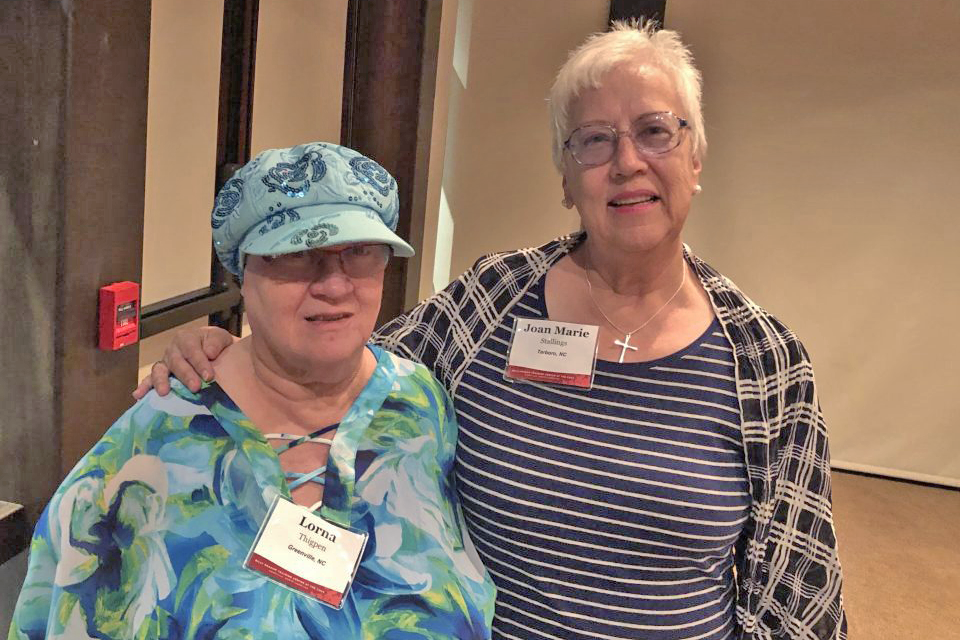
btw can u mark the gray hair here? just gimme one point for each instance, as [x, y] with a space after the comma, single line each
[638, 46]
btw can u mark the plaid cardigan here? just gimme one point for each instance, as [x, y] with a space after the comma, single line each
[788, 572]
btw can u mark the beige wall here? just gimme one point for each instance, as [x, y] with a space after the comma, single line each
[182, 109]
[814, 199]
[830, 195]
[499, 182]
[429, 252]
[182, 106]
[298, 88]
[299, 76]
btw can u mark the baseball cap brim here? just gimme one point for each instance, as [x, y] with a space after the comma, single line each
[323, 225]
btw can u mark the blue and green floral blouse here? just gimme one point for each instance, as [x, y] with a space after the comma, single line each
[147, 535]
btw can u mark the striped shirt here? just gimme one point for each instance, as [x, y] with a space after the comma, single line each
[788, 575]
[608, 513]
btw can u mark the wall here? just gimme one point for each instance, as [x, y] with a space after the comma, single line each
[31, 216]
[435, 244]
[72, 148]
[499, 183]
[181, 155]
[298, 86]
[32, 221]
[182, 106]
[829, 187]
[830, 196]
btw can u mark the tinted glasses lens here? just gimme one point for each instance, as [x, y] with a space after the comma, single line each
[657, 132]
[364, 260]
[593, 145]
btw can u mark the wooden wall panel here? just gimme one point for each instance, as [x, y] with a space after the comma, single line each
[388, 94]
[72, 149]
[32, 80]
[103, 173]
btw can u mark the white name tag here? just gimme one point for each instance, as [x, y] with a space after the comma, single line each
[304, 552]
[552, 352]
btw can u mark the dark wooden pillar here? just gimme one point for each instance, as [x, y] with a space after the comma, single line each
[238, 56]
[32, 81]
[104, 156]
[627, 9]
[388, 91]
[73, 103]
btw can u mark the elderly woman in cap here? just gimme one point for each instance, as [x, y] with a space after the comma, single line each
[307, 493]
[686, 494]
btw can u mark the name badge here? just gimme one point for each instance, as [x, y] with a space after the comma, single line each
[553, 352]
[301, 551]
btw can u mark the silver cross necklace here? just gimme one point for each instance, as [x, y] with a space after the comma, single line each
[625, 343]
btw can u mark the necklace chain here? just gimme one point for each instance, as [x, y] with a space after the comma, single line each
[627, 334]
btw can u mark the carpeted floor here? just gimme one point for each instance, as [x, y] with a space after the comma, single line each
[900, 549]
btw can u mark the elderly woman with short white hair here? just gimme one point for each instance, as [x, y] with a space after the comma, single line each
[679, 487]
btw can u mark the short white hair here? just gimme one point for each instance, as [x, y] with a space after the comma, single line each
[638, 46]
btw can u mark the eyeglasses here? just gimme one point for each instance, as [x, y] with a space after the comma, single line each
[653, 133]
[356, 261]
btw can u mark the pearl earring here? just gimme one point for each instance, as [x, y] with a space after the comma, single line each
[697, 190]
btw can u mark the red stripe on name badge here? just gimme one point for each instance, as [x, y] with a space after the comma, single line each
[292, 580]
[552, 377]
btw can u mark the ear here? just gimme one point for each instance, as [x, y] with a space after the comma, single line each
[697, 166]
[240, 278]
[567, 200]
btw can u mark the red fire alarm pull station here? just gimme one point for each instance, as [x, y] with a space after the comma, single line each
[119, 315]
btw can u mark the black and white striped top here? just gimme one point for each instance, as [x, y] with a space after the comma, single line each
[610, 513]
[789, 579]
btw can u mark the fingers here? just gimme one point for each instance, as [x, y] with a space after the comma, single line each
[143, 388]
[186, 359]
[160, 378]
[214, 340]
[181, 369]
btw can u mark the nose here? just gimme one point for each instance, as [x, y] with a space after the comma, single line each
[329, 280]
[628, 159]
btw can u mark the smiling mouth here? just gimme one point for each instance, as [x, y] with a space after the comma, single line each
[629, 202]
[327, 317]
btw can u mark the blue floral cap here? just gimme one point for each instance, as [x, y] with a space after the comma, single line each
[313, 195]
